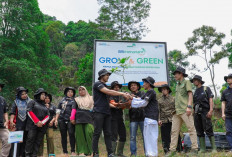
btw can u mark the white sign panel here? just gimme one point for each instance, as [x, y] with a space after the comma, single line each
[15, 137]
[145, 59]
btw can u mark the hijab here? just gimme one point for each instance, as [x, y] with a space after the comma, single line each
[84, 102]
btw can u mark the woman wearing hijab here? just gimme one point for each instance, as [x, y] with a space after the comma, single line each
[18, 118]
[36, 123]
[82, 117]
[49, 132]
[63, 114]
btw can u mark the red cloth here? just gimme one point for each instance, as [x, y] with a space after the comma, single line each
[33, 117]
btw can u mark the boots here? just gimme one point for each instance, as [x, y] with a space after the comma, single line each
[202, 144]
[212, 141]
[120, 148]
[114, 145]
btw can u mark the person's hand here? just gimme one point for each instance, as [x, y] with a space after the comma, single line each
[127, 96]
[47, 105]
[73, 122]
[6, 124]
[160, 122]
[223, 116]
[188, 111]
[39, 124]
[56, 123]
[12, 124]
[209, 114]
[50, 124]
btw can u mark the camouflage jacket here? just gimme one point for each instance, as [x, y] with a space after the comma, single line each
[166, 108]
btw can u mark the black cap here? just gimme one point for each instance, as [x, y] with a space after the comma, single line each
[102, 73]
[39, 91]
[114, 83]
[197, 77]
[226, 77]
[70, 88]
[164, 86]
[129, 84]
[19, 89]
[150, 80]
[181, 70]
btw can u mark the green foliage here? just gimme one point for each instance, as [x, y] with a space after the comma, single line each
[204, 44]
[84, 73]
[176, 58]
[218, 124]
[125, 19]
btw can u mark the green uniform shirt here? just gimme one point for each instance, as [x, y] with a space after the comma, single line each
[166, 108]
[181, 99]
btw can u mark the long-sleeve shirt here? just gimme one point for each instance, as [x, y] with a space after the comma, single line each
[166, 108]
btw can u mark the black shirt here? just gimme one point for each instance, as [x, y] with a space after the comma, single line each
[52, 112]
[40, 111]
[83, 116]
[116, 112]
[137, 114]
[151, 110]
[3, 109]
[101, 103]
[65, 106]
[227, 97]
[202, 97]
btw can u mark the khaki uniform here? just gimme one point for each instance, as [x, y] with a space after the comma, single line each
[181, 102]
[166, 108]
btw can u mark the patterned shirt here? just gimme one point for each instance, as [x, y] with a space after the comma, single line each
[166, 108]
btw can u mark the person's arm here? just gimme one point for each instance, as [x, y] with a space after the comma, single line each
[58, 110]
[31, 114]
[138, 102]
[6, 120]
[12, 115]
[190, 100]
[210, 113]
[223, 110]
[159, 121]
[115, 93]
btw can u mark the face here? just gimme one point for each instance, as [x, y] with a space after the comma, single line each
[178, 76]
[146, 85]
[229, 81]
[134, 87]
[82, 91]
[116, 88]
[0, 88]
[24, 95]
[42, 96]
[70, 93]
[47, 100]
[165, 91]
[196, 82]
[105, 78]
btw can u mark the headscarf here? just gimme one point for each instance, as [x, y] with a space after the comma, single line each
[84, 102]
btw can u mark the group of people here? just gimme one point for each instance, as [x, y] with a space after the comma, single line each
[85, 117]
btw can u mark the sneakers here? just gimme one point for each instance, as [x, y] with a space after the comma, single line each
[112, 155]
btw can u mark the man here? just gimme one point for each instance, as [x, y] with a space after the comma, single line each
[150, 104]
[226, 100]
[102, 118]
[4, 133]
[203, 107]
[183, 106]
[136, 116]
[166, 109]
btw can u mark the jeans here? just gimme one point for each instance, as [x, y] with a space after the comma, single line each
[70, 128]
[102, 122]
[133, 134]
[228, 123]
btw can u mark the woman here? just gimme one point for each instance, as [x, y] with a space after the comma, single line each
[37, 123]
[49, 132]
[118, 128]
[82, 117]
[63, 117]
[18, 118]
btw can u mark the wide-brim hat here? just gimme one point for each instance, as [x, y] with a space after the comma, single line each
[102, 73]
[226, 77]
[19, 89]
[115, 83]
[129, 84]
[39, 91]
[69, 88]
[150, 80]
[197, 77]
[164, 86]
[181, 70]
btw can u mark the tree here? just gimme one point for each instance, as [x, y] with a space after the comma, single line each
[204, 44]
[176, 58]
[124, 18]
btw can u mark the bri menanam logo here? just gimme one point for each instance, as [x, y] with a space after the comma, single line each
[142, 51]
